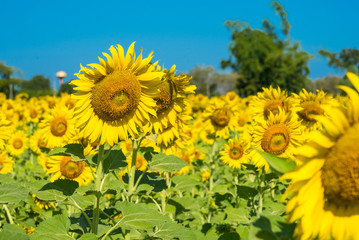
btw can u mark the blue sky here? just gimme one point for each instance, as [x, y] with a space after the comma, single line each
[42, 37]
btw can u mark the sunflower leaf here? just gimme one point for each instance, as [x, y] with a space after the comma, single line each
[12, 193]
[74, 150]
[55, 228]
[278, 164]
[66, 186]
[13, 231]
[166, 163]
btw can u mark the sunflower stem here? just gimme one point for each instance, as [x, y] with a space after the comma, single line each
[8, 214]
[96, 209]
[131, 182]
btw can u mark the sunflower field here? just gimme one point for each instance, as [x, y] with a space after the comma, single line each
[134, 153]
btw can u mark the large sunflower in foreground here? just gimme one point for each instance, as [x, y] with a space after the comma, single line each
[62, 167]
[235, 153]
[279, 135]
[324, 191]
[57, 127]
[116, 97]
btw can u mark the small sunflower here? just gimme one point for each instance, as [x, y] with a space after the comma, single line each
[62, 167]
[311, 106]
[141, 162]
[171, 98]
[33, 114]
[4, 130]
[17, 143]
[187, 155]
[270, 101]
[324, 191]
[6, 163]
[116, 98]
[42, 203]
[219, 118]
[58, 127]
[235, 153]
[279, 135]
[37, 142]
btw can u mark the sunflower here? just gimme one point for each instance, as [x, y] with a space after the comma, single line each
[324, 191]
[270, 101]
[235, 153]
[187, 155]
[58, 127]
[312, 105]
[37, 142]
[219, 117]
[67, 101]
[6, 163]
[171, 98]
[4, 130]
[42, 203]
[141, 162]
[116, 98]
[17, 143]
[279, 135]
[33, 114]
[62, 167]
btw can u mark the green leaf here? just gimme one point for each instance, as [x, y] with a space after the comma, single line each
[13, 231]
[246, 192]
[74, 150]
[237, 215]
[166, 163]
[12, 193]
[171, 230]
[88, 236]
[115, 160]
[55, 228]
[139, 217]
[66, 186]
[185, 182]
[280, 165]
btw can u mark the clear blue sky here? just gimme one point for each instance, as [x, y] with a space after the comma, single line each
[42, 37]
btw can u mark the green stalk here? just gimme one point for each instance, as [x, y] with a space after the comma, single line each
[8, 214]
[131, 182]
[99, 171]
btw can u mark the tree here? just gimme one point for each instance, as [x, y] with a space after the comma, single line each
[261, 58]
[66, 88]
[7, 79]
[38, 85]
[346, 60]
[210, 82]
[327, 84]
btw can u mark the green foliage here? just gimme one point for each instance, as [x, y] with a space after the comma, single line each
[8, 80]
[166, 163]
[280, 165]
[346, 60]
[12, 193]
[38, 85]
[262, 59]
[66, 88]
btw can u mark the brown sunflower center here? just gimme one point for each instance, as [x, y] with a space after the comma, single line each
[241, 121]
[70, 104]
[220, 118]
[276, 139]
[33, 113]
[116, 96]
[273, 107]
[310, 109]
[41, 142]
[236, 151]
[58, 127]
[17, 143]
[70, 169]
[166, 96]
[140, 162]
[340, 172]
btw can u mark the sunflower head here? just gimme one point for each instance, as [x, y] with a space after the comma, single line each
[115, 98]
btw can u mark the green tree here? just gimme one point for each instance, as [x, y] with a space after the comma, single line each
[38, 85]
[261, 58]
[327, 84]
[7, 79]
[66, 88]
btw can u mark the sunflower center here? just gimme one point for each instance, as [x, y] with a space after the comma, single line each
[241, 121]
[17, 143]
[58, 127]
[340, 172]
[220, 118]
[41, 143]
[70, 169]
[276, 139]
[166, 96]
[33, 113]
[273, 107]
[236, 151]
[116, 96]
[70, 104]
[310, 109]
